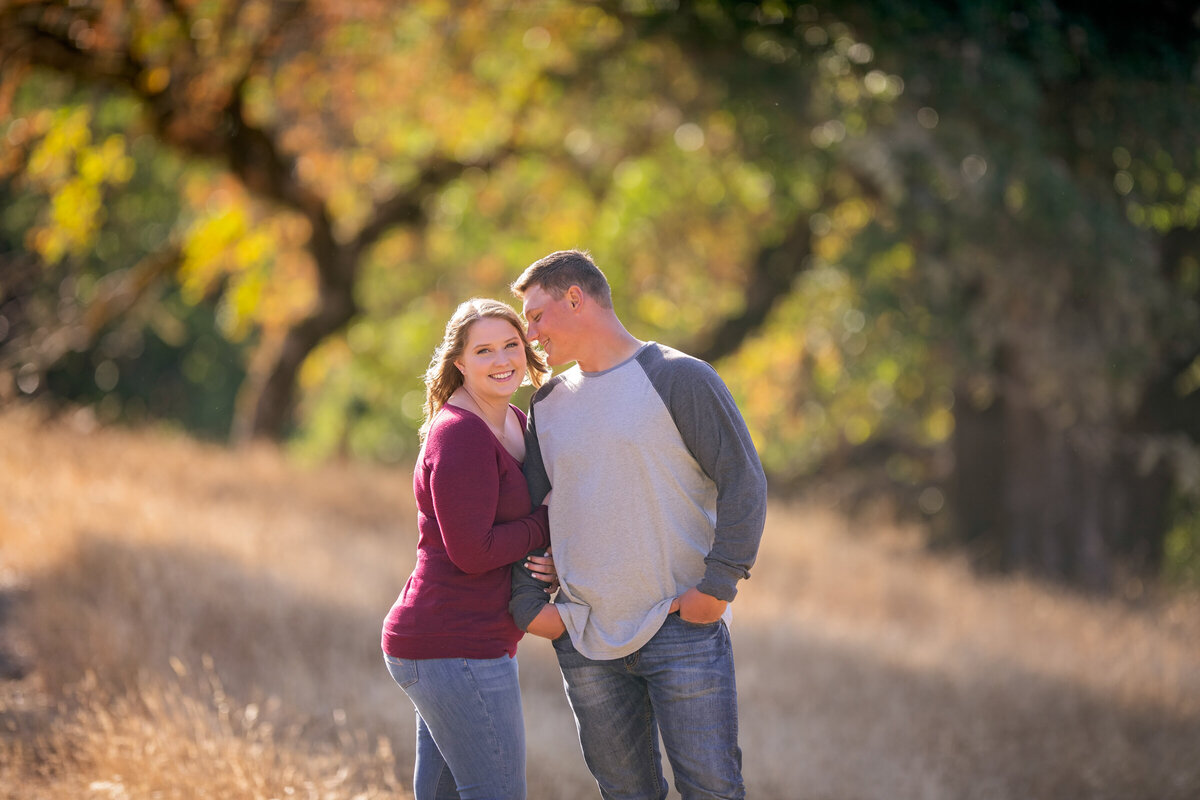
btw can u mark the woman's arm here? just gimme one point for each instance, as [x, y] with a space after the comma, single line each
[464, 484]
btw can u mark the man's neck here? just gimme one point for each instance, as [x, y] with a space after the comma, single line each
[609, 348]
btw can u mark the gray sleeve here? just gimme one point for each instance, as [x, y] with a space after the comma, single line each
[714, 431]
[534, 468]
[529, 593]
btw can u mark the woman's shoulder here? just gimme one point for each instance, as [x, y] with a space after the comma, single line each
[455, 426]
[521, 417]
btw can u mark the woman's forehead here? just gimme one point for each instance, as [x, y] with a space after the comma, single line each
[491, 329]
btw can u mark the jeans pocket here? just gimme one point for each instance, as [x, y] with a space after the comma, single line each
[691, 624]
[403, 670]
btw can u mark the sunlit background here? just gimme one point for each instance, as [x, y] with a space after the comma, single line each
[945, 255]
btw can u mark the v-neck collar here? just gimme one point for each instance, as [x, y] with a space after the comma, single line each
[492, 433]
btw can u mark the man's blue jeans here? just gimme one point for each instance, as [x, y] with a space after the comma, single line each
[470, 731]
[681, 683]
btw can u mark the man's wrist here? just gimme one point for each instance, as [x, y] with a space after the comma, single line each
[717, 589]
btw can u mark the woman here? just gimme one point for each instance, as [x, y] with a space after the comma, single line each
[449, 641]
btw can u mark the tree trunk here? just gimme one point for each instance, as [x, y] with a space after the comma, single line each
[264, 407]
[1026, 498]
[1029, 496]
[973, 499]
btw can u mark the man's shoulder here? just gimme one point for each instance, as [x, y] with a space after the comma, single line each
[666, 363]
[547, 388]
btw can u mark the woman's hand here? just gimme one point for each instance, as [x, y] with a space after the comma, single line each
[542, 568]
[548, 623]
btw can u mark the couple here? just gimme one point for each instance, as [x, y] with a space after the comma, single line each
[657, 510]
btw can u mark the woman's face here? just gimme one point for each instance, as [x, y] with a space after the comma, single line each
[493, 360]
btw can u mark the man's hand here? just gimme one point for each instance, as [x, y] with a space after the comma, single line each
[548, 623]
[698, 607]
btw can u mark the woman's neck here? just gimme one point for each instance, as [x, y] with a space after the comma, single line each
[494, 413]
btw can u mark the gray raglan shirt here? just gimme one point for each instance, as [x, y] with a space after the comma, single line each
[657, 489]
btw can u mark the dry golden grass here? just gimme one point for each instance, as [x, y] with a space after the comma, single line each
[201, 623]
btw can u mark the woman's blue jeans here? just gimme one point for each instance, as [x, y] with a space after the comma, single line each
[470, 731]
[681, 683]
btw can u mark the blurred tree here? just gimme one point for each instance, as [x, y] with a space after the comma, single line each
[311, 131]
[1064, 256]
[340, 178]
[79, 323]
[953, 240]
[1019, 248]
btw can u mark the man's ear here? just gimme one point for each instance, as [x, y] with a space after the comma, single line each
[574, 296]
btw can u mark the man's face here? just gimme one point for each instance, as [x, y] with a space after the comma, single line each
[550, 324]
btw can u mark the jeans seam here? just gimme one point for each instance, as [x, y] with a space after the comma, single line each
[493, 734]
[651, 742]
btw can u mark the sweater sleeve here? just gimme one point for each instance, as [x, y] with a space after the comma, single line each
[529, 593]
[714, 431]
[464, 482]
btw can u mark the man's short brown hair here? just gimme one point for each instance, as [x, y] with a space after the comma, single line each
[559, 271]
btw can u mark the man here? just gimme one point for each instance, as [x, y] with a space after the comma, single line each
[656, 513]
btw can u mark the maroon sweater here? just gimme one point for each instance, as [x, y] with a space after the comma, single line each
[473, 521]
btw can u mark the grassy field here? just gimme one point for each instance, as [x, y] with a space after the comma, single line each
[178, 620]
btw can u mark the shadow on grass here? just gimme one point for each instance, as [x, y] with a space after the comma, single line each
[826, 718]
[14, 656]
[123, 616]
[821, 717]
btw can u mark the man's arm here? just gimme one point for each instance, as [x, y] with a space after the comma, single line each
[714, 432]
[528, 593]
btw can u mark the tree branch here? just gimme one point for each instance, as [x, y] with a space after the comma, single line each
[116, 294]
[770, 280]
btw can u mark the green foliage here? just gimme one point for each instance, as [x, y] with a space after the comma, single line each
[617, 168]
[985, 189]
[174, 367]
[1182, 556]
[98, 195]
